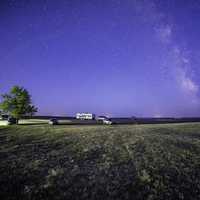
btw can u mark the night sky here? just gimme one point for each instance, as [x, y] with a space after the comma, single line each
[109, 57]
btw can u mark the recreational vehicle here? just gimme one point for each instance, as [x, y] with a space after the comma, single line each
[85, 116]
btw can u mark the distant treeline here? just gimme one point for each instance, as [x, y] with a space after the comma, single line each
[165, 120]
[49, 117]
[133, 120]
[153, 120]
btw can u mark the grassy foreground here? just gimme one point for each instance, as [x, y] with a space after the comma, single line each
[100, 162]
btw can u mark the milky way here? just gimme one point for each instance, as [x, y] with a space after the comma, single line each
[113, 57]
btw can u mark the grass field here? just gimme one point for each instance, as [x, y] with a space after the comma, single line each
[100, 162]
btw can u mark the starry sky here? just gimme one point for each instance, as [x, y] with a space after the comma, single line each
[109, 57]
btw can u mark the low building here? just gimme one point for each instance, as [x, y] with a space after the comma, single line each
[85, 116]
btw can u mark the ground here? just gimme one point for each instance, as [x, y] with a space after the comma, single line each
[100, 162]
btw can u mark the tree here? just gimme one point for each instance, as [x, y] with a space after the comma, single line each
[17, 103]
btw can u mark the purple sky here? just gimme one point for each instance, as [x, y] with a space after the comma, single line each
[111, 57]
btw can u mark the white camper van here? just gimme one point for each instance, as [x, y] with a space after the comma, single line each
[86, 116]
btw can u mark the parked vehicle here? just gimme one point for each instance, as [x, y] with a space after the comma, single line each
[4, 117]
[11, 120]
[53, 121]
[107, 121]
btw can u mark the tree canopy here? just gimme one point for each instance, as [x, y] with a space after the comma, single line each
[17, 103]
